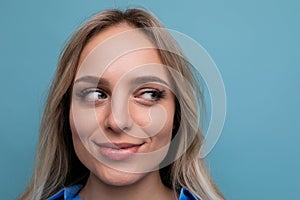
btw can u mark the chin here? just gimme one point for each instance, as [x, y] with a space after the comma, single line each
[112, 177]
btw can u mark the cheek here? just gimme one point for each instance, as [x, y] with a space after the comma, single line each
[140, 115]
[83, 122]
[83, 128]
[83, 155]
[152, 119]
[81, 145]
[156, 122]
[165, 135]
[80, 150]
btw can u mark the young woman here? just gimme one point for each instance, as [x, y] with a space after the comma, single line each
[121, 119]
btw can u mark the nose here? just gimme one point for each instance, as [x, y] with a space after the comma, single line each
[118, 118]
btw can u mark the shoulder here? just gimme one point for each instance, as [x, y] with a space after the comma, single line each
[68, 193]
[186, 195]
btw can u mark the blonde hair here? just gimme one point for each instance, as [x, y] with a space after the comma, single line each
[57, 165]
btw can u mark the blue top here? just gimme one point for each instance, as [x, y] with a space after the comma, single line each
[71, 193]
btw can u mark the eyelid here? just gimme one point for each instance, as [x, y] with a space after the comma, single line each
[84, 97]
[85, 91]
[158, 95]
[91, 89]
[144, 90]
[151, 86]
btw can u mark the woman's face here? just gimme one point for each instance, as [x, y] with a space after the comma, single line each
[122, 107]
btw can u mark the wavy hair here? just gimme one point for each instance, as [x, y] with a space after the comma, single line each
[57, 165]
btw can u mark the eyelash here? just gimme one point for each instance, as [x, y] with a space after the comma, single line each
[156, 95]
[83, 94]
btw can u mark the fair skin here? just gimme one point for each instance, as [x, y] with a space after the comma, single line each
[122, 125]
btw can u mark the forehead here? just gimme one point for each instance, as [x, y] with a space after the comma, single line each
[117, 50]
[112, 38]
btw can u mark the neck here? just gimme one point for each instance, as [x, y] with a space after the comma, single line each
[148, 187]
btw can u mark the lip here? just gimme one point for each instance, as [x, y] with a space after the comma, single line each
[118, 151]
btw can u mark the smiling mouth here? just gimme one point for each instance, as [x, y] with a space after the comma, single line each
[118, 151]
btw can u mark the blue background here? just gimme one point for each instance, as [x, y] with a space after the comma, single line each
[255, 44]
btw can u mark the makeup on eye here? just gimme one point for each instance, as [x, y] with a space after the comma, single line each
[146, 96]
[146, 90]
[150, 94]
[92, 95]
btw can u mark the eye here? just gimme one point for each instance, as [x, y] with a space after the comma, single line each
[149, 96]
[92, 95]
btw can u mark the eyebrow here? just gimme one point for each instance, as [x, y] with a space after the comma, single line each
[146, 79]
[137, 81]
[93, 80]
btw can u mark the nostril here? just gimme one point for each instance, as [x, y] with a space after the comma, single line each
[118, 125]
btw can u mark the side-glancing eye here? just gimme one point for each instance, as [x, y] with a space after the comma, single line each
[150, 96]
[92, 95]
